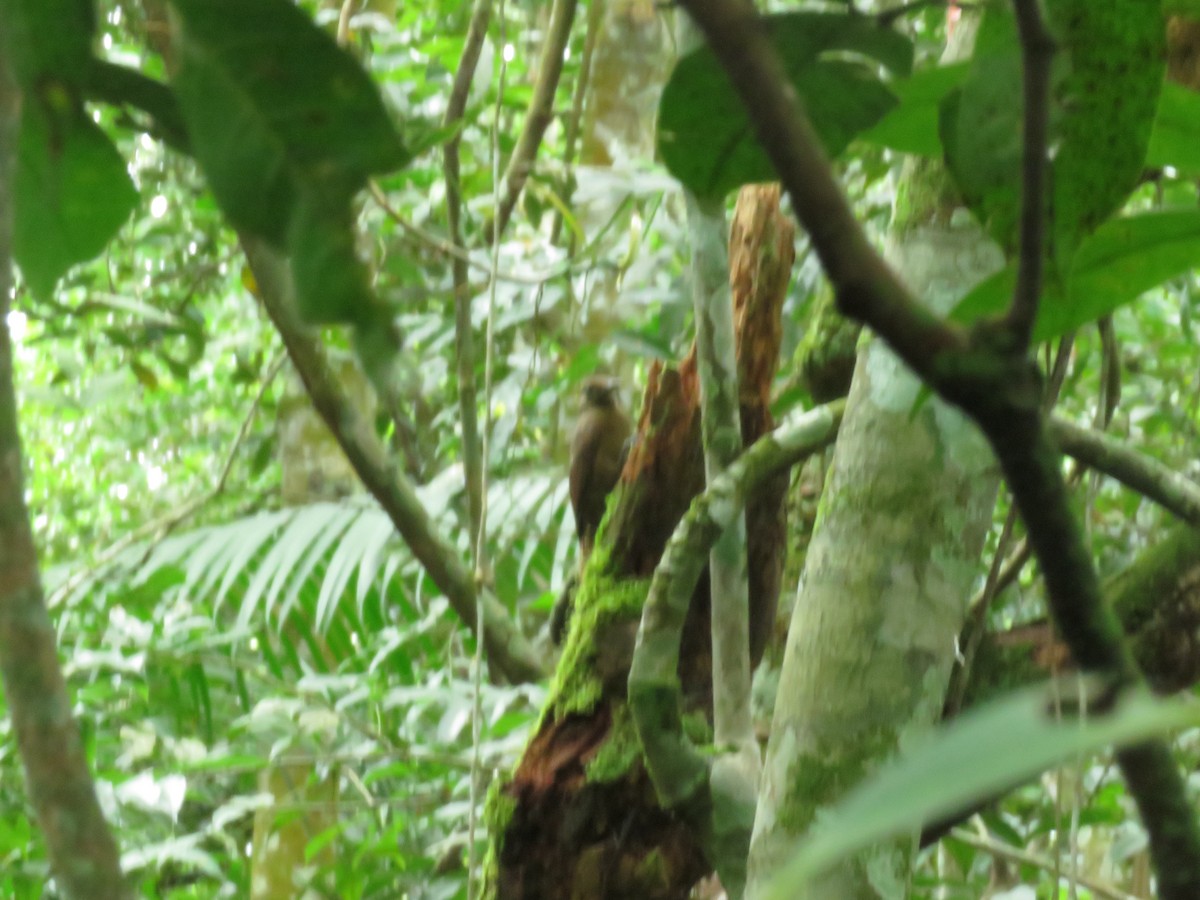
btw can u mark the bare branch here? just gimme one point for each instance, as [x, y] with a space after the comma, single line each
[83, 854]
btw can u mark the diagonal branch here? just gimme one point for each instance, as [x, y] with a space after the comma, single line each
[541, 110]
[681, 775]
[1138, 472]
[508, 651]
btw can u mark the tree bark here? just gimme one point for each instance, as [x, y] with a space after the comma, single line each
[579, 817]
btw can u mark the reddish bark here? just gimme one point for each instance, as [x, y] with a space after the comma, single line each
[571, 837]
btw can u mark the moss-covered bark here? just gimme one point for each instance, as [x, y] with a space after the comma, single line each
[580, 817]
[1157, 599]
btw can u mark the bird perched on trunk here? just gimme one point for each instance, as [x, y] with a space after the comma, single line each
[598, 451]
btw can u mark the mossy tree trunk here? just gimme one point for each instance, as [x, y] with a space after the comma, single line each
[578, 818]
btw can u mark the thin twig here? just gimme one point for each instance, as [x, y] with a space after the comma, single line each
[1143, 474]
[448, 248]
[343, 25]
[479, 540]
[976, 624]
[157, 530]
[595, 18]
[464, 332]
[1006, 851]
[541, 107]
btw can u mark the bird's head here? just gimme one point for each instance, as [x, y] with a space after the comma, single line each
[600, 391]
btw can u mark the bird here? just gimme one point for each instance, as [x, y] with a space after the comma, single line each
[598, 449]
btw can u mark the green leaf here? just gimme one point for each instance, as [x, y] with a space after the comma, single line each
[1122, 260]
[72, 193]
[1116, 52]
[980, 127]
[1104, 94]
[983, 752]
[705, 137]
[912, 126]
[291, 81]
[49, 41]
[1125, 258]
[287, 128]
[1175, 140]
[273, 102]
[244, 162]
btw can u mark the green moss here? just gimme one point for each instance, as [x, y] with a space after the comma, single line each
[816, 780]
[653, 871]
[698, 730]
[621, 748]
[600, 601]
[498, 810]
[826, 354]
[1137, 593]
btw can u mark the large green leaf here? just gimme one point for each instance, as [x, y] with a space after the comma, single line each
[284, 79]
[984, 752]
[71, 192]
[279, 115]
[1175, 140]
[49, 42]
[980, 127]
[704, 135]
[1122, 260]
[331, 283]
[912, 126]
[1115, 53]
[1107, 75]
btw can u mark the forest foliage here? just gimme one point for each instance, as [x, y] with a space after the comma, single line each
[207, 629]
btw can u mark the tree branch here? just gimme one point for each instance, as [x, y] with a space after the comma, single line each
[541, 110]
[82, 852]
[464, 333]
[1038, 52]
[1138, 472]
[120, 86]
[678, 771]
[721, 438]
[994, 847]
[508, 651]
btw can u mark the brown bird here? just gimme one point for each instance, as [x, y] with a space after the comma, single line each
[598, 451]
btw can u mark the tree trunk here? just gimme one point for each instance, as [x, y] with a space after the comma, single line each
[883, 596]
[579, 818]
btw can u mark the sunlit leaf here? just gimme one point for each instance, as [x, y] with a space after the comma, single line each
[912, 126]
[1175, 140]
[72, 192]
[287, 128]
